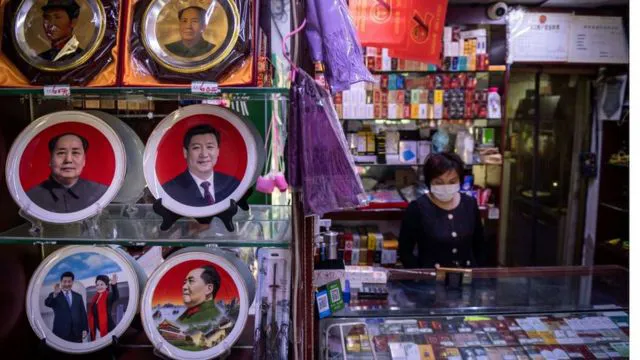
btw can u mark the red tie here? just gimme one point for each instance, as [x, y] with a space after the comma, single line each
[207, 194]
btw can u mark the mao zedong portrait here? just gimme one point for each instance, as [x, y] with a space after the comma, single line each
[69, 315]
[198, 293]
[60, 17]
[65, 191]
[193, 22]
[198, 184]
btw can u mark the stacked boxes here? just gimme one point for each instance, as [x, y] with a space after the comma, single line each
[465, 50]
[417, 97]
[363, 246]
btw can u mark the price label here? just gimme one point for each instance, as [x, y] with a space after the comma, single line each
[58, 91]
[204, 87]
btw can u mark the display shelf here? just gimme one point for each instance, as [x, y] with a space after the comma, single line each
[254, 92]
[615, 207]
[366, 215]
[138, 225]
[392, 214]
[499, 291]
[364, 164]
[500, 69]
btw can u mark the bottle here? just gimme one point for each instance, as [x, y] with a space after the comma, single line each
[494, 104]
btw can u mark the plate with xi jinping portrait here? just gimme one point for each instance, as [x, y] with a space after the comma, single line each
[65, 166]
[79, 297]
[188, 36]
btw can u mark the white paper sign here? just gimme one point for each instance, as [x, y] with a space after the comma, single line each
[538, 37]
[204, 87]
[598, 39]
[57, 91]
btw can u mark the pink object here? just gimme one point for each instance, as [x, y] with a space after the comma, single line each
[265, 184]
[280, 182]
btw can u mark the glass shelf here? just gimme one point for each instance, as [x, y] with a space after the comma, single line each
[152, 92]
[497, 69]
[476, 122]
[500, 291]
[138, 225]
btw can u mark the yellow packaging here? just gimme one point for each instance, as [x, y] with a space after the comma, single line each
[438, 100]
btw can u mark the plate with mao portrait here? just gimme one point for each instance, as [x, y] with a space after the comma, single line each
[79, 297]
[188, 36]
[201, 157]
[61, 41]
[196, 304]
[65, 166]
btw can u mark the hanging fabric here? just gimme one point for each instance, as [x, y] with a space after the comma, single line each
[330, 24]
[319, 163]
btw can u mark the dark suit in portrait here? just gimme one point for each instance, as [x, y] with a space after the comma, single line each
[184, 189]
[51, 54]
[200, 48]
[52, 196]
[68, 321]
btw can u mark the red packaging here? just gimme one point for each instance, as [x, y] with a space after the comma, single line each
[384, 82]
[377, 111]
[468, 111]
[371, 62]
[448, 82]
[399, 97]
[384, 97]
[431, 82]
[377, 63]
[407, 112]
[469, 96]
[377, 95]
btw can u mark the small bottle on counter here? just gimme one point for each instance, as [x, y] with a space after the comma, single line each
[494, 104]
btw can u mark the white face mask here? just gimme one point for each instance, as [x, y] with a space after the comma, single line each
[445, 193]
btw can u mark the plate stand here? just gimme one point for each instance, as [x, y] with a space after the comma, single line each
[47, 352]
[169, 217]
[162, 356]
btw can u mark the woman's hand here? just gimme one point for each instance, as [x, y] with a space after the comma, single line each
[114, 279]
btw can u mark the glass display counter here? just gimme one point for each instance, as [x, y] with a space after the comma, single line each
[509, 313]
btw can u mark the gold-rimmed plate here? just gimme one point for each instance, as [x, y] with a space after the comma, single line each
[58, 35]
[190, 36]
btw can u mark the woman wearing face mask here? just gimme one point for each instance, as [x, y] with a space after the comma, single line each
[445, 225]
[99, 308]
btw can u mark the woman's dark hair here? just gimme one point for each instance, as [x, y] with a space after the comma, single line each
[440, 163]
[103, 278]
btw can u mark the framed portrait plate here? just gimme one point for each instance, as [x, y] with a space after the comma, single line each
[184, 40]
[61, 41]
[200, 157]
[195, 305]
[65, 166]
[165, 34]
[81, 296]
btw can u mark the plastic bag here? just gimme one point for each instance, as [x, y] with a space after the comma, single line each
[341, 50]
[59, 42]
[180, 41]
[319, 162]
